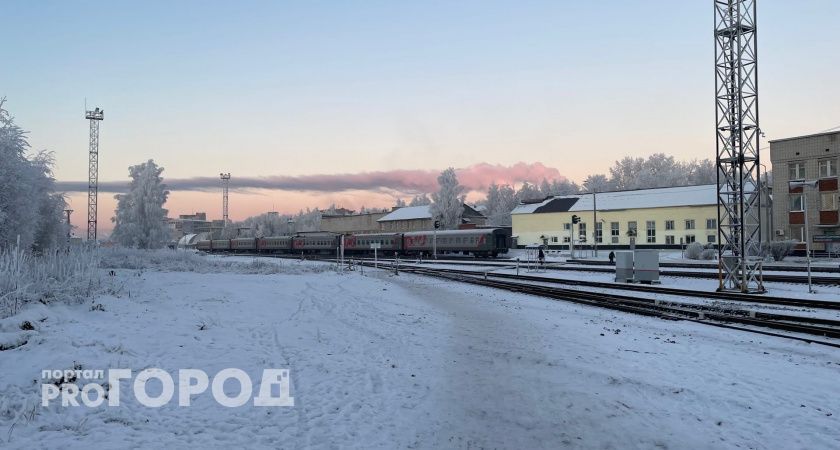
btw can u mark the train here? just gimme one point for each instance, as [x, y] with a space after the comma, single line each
[478, 242]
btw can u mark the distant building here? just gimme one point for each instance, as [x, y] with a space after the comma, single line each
[190, 224]
[351, 223]
[194, 224]
[811, 158]
[419, 218]
[660, 218]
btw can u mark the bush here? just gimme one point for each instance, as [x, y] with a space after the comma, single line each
[708, 254]
[63, 275]
[779, 249]
[694, 250]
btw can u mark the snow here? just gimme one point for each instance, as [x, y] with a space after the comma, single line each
[383, 361]
[408, 213]
[643, 198]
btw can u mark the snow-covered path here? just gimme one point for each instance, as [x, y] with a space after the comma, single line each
[379, 361]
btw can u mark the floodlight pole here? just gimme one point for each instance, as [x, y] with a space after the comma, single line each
[225, 177]
[95, 116]
[737, 146]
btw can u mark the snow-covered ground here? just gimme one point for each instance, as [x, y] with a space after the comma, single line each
[383, 361]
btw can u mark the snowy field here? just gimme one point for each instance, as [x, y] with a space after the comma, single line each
[383, 361]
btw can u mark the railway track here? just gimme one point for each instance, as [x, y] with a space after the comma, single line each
[768, 277]
[654, 289]
[700, 313]
[727, 296]
[772, 267]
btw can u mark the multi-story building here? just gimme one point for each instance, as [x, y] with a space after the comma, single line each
[419, 218]
[810, 162]
[658, 218]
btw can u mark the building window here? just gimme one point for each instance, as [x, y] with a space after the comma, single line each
[651, 231]
[614, 232]
[567, 226]
[632, 226]
[689, 224]
[554, 239]
[796, 170]
[711, 238]
[669, 225]
[669, 240]
[828, 168]
[796, 203]
[582, 232]
[797, 232]
[565, 239]
[689, 238]
[599, 232]
[828, 201]
[711, 224]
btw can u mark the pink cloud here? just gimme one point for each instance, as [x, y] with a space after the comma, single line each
[475, 178]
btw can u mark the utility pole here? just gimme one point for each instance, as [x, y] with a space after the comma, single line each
[225, 187]
[595, 222]
[95, 116]
[737, 146]
[813, 184]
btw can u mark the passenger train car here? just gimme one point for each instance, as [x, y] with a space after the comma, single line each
[479, 242]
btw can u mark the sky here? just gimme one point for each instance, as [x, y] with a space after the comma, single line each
[309, 95]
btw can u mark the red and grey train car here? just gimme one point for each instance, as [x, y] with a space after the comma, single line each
[389, 243]
[480, 242]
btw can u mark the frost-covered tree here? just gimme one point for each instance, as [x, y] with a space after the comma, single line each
[273, 224]
[420, 200]
[399, 203]
[30, 209]
[701, 171]
[558, 187]
[140, 219]
[597, 183]
[660, 170]
[500, 202]
[448, 202]
[528, 192]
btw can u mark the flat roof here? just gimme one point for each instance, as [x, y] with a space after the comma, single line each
[806, 136]
[700, 195]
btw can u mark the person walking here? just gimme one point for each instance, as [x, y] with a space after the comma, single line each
[541, 257]
[612, 257]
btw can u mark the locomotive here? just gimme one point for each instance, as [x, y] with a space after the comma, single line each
[479, 242]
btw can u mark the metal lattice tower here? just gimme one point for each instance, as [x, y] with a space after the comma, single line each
[737, 129]
[95, 117]
[225, 187]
